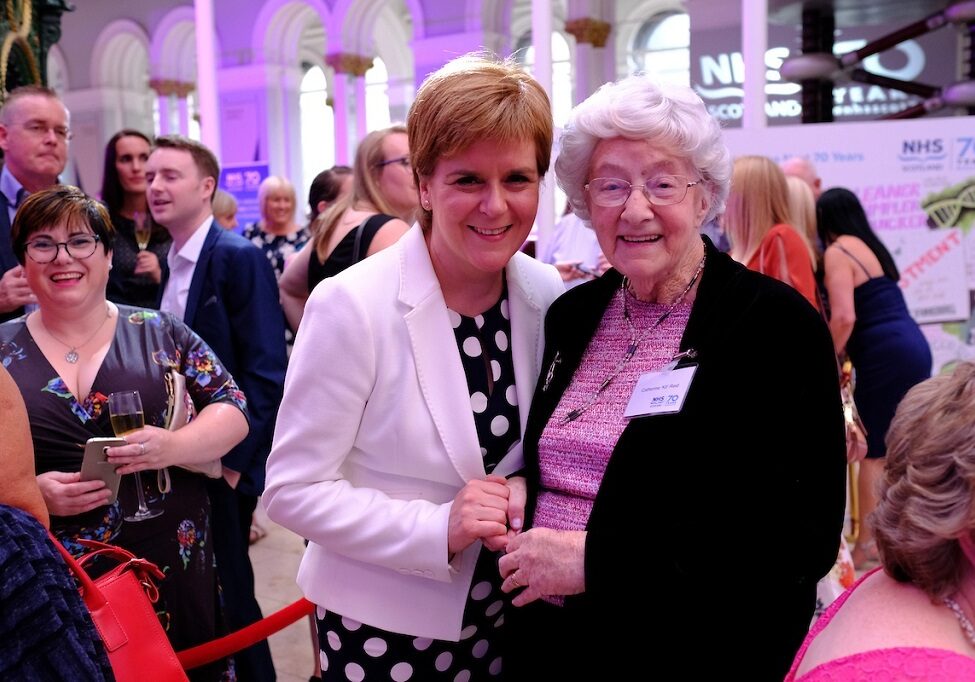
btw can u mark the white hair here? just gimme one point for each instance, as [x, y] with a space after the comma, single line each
[637, 108]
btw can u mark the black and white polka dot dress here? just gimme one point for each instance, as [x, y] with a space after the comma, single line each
[354, 651]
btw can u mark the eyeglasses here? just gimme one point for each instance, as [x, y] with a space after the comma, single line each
[404, 161]
[662, 190]
[41, 130]
[43, 251]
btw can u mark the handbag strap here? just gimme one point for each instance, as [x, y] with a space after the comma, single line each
[365, 233]
[92, 595]
[356, 255]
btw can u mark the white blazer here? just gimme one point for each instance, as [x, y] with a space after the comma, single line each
[375, 437]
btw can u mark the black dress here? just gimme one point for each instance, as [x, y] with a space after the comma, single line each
[343, 255]
[124, 286]
[889, 354]
[355, 651]
[146, 345]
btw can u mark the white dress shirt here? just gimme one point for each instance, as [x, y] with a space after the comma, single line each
[182, 264]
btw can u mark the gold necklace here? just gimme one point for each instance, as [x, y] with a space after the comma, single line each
[636, 338]
[72, 354]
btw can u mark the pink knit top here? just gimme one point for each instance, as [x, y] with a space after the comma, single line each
[573, 456]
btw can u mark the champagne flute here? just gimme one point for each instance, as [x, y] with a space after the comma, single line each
[143, 230]
[125, 411]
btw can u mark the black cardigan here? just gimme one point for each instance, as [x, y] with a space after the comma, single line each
[734, 505]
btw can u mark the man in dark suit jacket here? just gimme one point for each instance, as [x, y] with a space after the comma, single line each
[34, 138]
[223, 287]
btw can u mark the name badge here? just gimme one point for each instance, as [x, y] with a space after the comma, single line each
[660, 392]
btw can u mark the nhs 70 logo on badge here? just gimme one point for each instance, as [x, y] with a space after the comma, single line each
[965, 152]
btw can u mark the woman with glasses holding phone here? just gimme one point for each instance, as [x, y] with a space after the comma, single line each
[67, 357]
[686, 408]
[374, 215]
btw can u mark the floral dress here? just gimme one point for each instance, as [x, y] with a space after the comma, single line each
[277, 248]
[147, 344]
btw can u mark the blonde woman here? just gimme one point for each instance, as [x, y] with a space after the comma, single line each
[757, 224]
[276, 233]
[802, 211]
[383, 202]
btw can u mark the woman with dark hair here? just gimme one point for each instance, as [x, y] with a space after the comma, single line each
[67, 357]
[327, 187]
[140, 245]
[870, 322]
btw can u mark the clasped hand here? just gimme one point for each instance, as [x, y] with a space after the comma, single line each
[490, 510]
[544, 562]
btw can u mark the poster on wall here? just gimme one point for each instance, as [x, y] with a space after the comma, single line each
[916, 181]
[932, 268]
[242, 180]
[718, 72]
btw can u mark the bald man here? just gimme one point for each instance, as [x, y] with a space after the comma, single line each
[805, 171]
[34, 137]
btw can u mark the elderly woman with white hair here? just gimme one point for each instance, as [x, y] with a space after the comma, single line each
[687, 408]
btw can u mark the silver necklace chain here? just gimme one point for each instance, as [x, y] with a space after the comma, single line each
[72, 355]
[636, 338]
[966, 625]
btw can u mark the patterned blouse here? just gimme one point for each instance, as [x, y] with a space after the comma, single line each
[277, 248]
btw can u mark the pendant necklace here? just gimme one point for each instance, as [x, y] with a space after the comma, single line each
[72, 355]
[636, 338]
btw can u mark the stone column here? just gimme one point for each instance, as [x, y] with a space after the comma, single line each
[164, 90]
[182, 91]
[542, 70]
[206, 75]
[754, 43]
[590, 55]
[348, 67]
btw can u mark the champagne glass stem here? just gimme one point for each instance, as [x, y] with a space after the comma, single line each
[143, 507]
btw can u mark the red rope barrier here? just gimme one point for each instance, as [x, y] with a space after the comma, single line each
[245, 637]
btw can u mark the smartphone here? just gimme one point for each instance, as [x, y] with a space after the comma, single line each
[585, 269]
[95, 465]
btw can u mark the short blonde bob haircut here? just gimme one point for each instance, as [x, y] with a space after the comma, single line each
[473, 98]
[927, 494]
[672, 117]
[273, 184]
[759, 200]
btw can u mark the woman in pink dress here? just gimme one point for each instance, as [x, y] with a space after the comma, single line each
[913, 619]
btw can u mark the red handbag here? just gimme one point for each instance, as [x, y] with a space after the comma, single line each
[120, 603]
